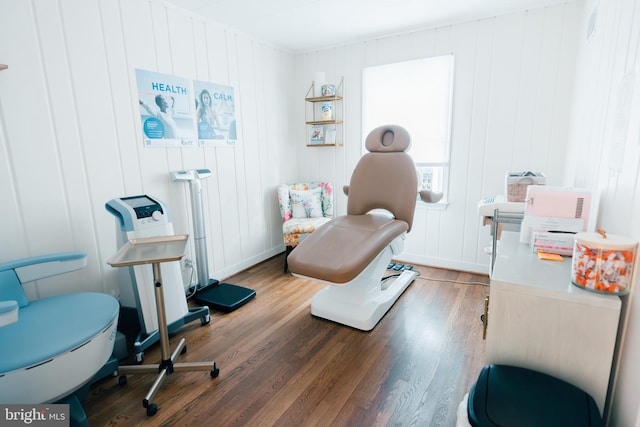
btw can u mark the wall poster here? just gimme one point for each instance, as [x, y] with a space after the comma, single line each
[215, 114]
[166, 109]
[179, 112]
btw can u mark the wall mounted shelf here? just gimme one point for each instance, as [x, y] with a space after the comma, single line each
[328, 132]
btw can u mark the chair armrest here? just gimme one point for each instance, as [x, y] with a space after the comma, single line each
[284, 202]
[39, 267]
[8, 312]
[430, 196]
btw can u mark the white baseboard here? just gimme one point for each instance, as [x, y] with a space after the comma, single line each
[227, 272]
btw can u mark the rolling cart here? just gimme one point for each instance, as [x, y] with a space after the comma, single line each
[155, 251]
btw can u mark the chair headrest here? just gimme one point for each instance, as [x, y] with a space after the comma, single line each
[388, 138]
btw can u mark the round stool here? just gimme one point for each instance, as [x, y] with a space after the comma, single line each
[506, 396]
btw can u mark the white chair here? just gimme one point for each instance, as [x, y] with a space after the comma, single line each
[51, 348]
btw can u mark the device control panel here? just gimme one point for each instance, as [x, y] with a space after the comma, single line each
[143, 206]
[138, 212]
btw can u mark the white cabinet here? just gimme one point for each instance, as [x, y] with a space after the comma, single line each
[537, 319]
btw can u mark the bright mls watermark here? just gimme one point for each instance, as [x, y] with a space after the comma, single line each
[48, 415]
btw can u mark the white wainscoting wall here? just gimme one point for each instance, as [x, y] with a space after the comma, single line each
[71, 139]
[512, 91]
[610, 53]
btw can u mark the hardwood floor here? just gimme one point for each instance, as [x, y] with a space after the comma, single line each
[280, 366]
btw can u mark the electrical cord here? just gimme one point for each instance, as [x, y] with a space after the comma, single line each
[433, 279]
[193, 286]
[452, 281]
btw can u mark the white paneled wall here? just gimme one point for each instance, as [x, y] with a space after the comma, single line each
[70, 135]
[512, 92]
[612, 52]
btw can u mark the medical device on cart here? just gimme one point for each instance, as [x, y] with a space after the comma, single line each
[141, 217]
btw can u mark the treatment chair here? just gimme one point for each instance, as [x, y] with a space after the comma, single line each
[351, 252]
[51, 348]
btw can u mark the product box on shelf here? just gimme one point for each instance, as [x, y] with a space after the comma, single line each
[554, 242]
[516, 184]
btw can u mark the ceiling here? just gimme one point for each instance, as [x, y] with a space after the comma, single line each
[304, 25]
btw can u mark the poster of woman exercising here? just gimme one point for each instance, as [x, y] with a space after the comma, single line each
[166, 109]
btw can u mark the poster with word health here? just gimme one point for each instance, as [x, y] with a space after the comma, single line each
[166, 110]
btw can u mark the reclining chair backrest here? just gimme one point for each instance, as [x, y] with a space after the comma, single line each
[385, 178]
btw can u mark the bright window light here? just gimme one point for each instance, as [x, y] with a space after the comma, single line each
[417, 96]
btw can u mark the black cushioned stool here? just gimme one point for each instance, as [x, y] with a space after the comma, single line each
[508, 396]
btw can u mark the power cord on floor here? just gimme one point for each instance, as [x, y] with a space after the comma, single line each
[394, 267]
[452, 281]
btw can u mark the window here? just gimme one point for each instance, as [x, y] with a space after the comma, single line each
[417, 96]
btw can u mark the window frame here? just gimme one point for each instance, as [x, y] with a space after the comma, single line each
[440, 169]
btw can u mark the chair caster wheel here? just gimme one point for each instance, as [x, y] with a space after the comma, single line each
[205, 320]
[152, 409]
[215, 371]
[139, 357]
[122, 380]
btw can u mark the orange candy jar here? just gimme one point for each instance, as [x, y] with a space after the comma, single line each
[603, 263]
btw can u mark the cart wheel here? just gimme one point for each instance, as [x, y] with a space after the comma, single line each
[215, 371]
[152, 409]
[122, 380]
[204, 320]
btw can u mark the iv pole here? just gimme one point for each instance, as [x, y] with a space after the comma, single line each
[221, 296]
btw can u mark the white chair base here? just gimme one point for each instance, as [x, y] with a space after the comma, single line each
[362, 302]
[363, 315]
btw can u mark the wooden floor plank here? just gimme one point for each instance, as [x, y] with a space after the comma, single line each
[281, 366]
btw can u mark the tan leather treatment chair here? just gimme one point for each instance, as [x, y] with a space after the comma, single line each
[350, 253]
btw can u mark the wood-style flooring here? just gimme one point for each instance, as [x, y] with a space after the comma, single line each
[281, 366]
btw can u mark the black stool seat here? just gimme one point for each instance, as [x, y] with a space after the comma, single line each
[506, 396]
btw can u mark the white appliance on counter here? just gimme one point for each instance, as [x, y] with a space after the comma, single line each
[560, 209]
